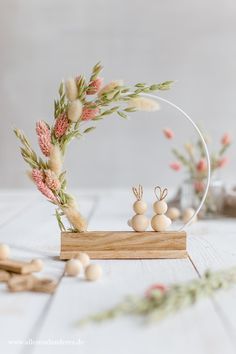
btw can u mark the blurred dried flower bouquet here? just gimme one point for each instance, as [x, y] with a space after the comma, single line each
[80, 102]
[192, 159]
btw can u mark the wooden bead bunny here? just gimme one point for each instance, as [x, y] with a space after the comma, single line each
[160, 222]
[139, 221]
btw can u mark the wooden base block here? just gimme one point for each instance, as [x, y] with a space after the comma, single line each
[124, 244]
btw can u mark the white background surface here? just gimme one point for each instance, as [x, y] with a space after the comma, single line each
[26, 225]
[43, 41]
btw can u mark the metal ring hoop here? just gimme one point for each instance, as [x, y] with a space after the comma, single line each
[205, 150]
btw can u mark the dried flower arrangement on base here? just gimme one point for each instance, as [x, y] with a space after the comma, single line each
[82, 102]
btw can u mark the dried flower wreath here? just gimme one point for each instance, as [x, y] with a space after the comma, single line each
[72, 110]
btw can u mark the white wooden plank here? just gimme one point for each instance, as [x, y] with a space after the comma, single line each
[32, 234]
[198, 329]
[212, 245]
[13, 204]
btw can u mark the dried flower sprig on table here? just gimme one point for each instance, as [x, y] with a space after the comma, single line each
[73, 110]
[160, 301]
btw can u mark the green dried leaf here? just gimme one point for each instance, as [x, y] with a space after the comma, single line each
[89, 130]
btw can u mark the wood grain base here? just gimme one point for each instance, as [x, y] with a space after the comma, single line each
[124, 244]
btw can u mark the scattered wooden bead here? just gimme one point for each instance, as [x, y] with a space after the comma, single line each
[4, 251]
[140, 207]
[93, 272]
[160, 207]
[139, 222]
[73, 267]
[173, 213]
[38, 263]
[160, 223]
[83, 258]
[187, 214]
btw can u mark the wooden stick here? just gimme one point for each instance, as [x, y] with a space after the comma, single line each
[4, 276]
[17, 266]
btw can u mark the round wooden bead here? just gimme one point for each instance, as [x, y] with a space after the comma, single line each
[129, 222]
[93, 272]
[83, 258]
[4, 251]
[187, 214]
[173, 213]
[38, 263]
[160, 222]
[73, 267]
[140, 207]
[139, 223]
[160, 207]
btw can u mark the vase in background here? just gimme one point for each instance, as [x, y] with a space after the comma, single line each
[192, 192]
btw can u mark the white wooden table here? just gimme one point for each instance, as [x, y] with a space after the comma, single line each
[27, 225]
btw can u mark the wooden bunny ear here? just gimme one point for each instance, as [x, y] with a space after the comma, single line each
[159, 193]
[164, 193]
[138, 192]
[140, 189]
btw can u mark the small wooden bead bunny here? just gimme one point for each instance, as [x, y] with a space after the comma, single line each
[160, 222]
[139, 221]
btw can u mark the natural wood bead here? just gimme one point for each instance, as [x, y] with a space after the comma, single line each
[129, 222]
[83, 258]
[140, 222]
[160, 222]
[173, 213]
[160, 207]
[38, 264]
[187, 214]
[73, 267]
[4, 251]
[93, 272]
[140, 207]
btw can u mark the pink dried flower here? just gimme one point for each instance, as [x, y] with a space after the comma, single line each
[43, 188]
[222, 162]
[176, 166]
[226, 139]
[61, 126]
[45, 144]
[199, 186]
[52, 181]
[201, 165]
[44, 137]
[169, 134]
[42, 128]
[156, 288]
[37, 175]
[95, 86]
[89, 113]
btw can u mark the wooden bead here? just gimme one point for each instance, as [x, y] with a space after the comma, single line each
[140, 222]
[129, 222]
[4, 251]
[73, 267]
[173, 213]
[93, 272]
[140, 207]
[83, 258]
[38, 263]
[187, 214]
[160, 222]
[160, 207]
